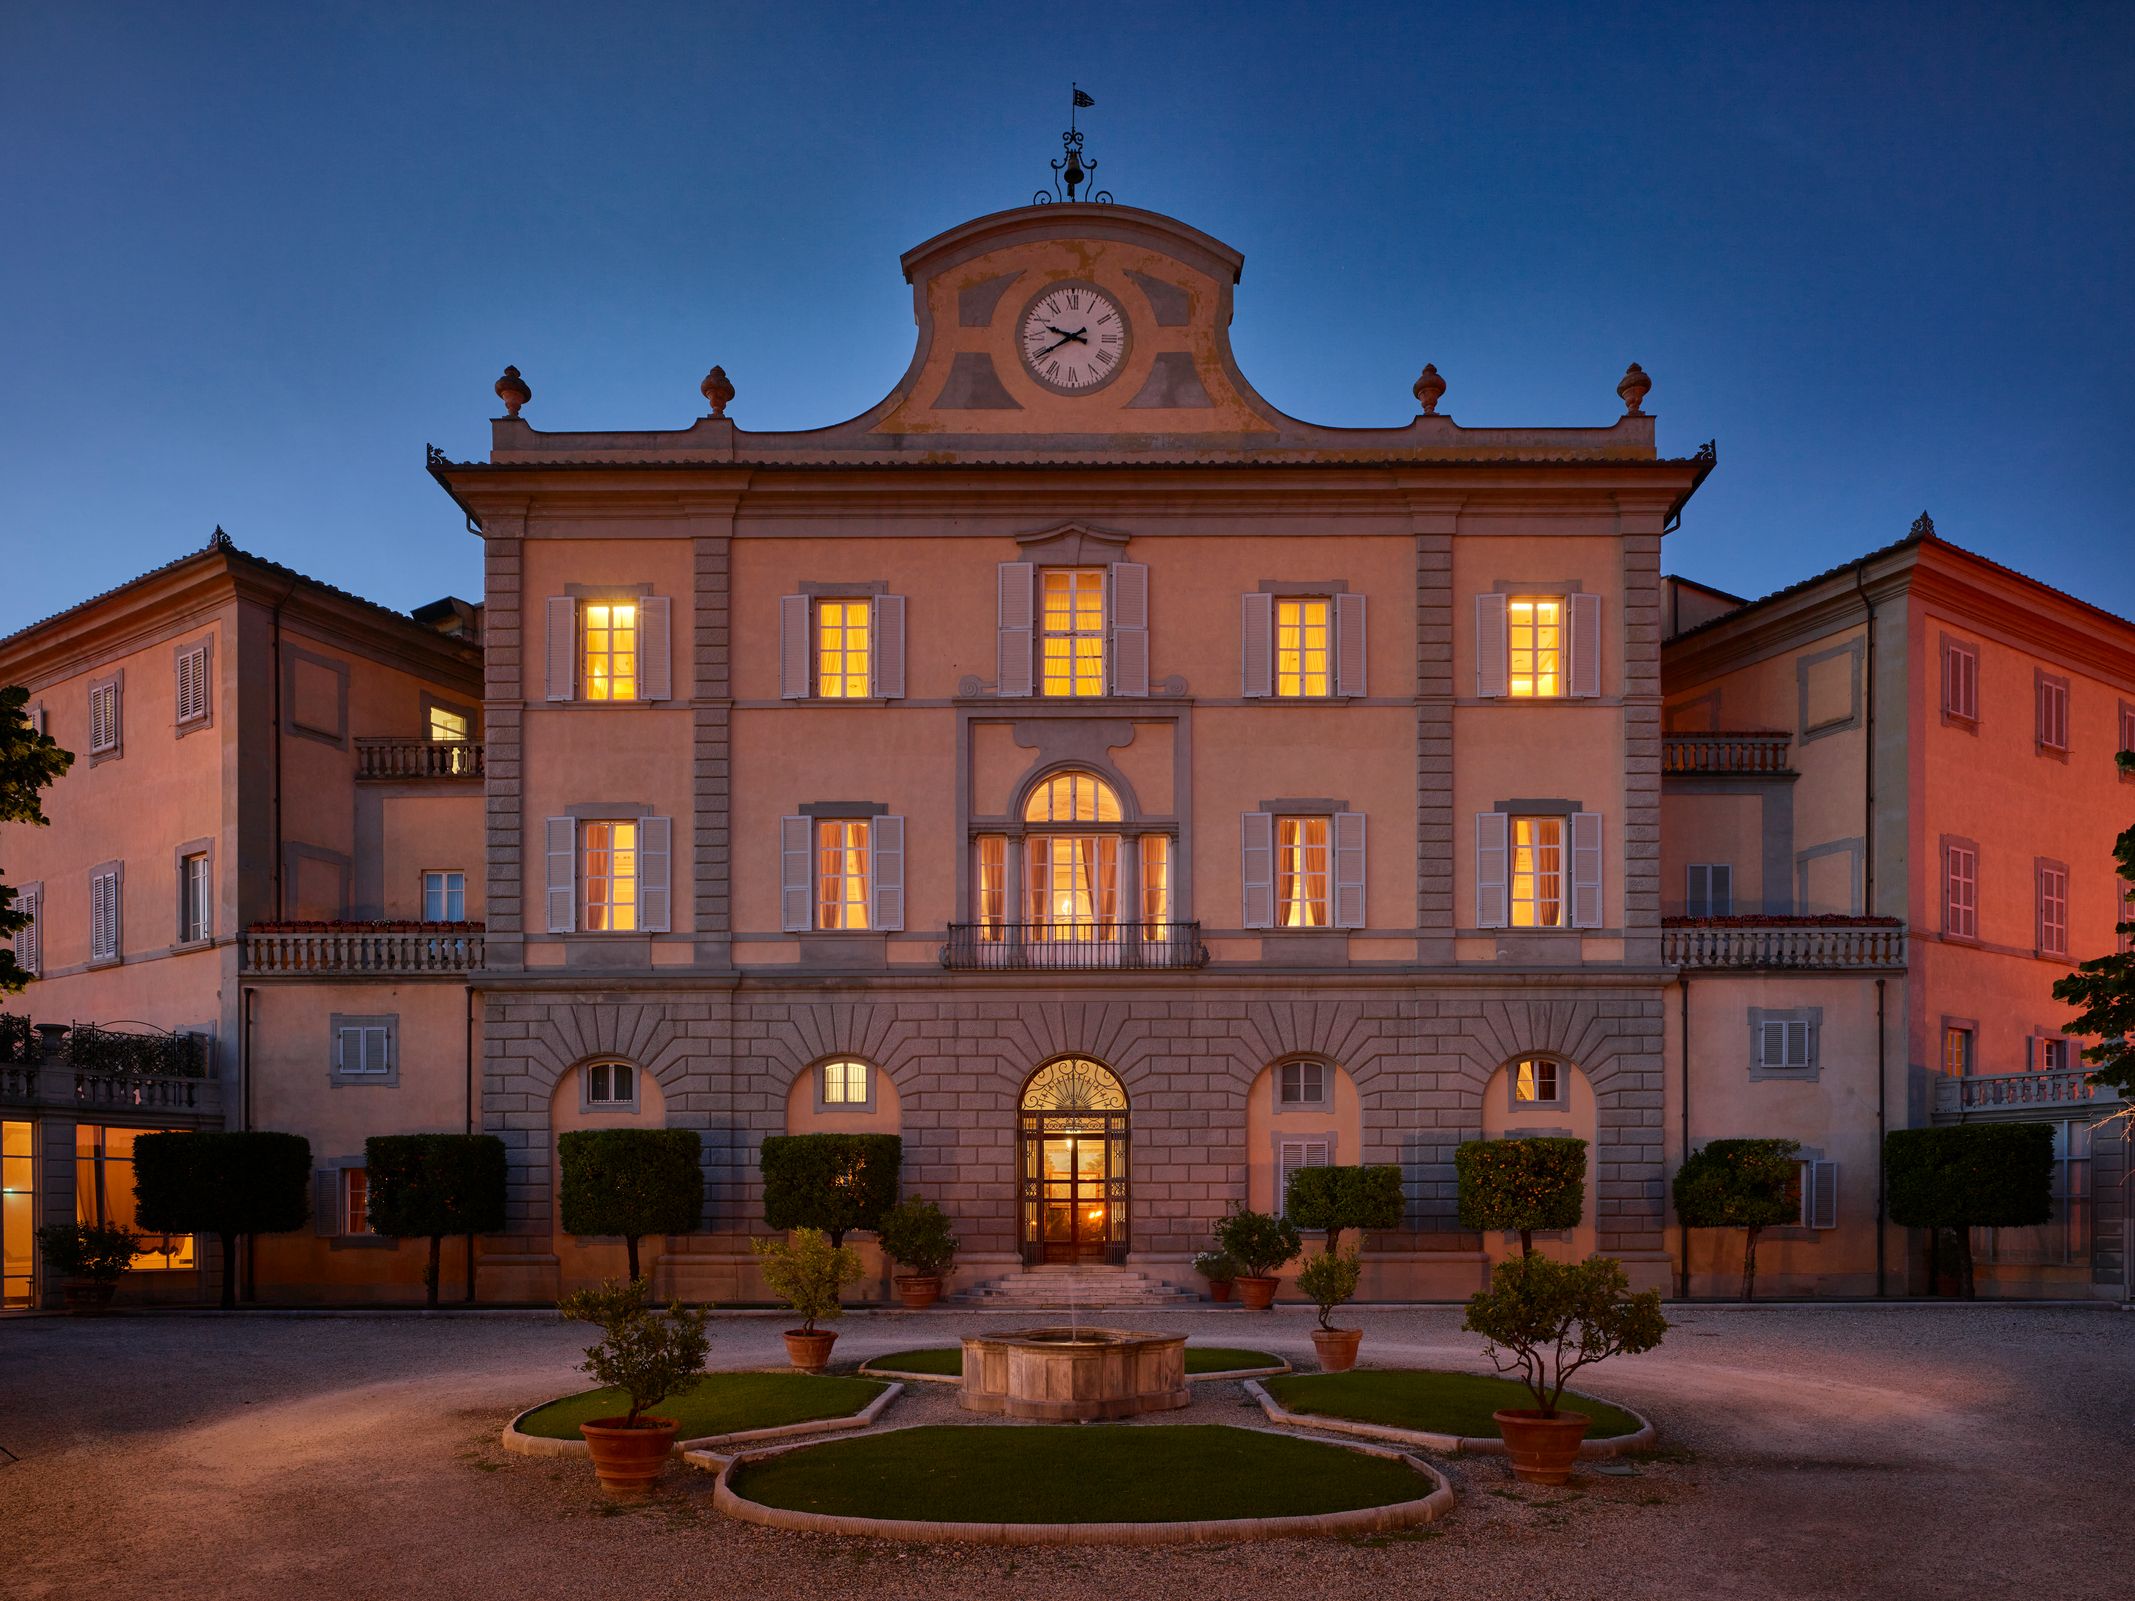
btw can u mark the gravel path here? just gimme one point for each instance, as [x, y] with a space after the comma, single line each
[1821, 1451]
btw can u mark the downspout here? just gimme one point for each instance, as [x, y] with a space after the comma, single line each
[469, 1038]
[281, 908]
[1882, 1110]
[1683, 1016]
[244, 1079]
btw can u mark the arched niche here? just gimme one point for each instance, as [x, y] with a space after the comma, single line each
[1301, 1111]
[1538, 1093]
[586, 1096]
[843, 1094]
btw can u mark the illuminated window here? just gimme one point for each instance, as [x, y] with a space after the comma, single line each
[845, 1083]
[611, 877]
[1303, 653]
[355, 1201]
[444, 897]
[1538, 872]
[1074, 883]
[1535, 635]
[1301, 872]
[18, 1241]
[610, 660]
[1073, 798]
[447, 727]
[103, 1193]
[1957, 1047]
[1156, 878]
[1071, 631]
[1303, 1084]
[1536, 1081]
[611, 1084]
[992, 908]
[841, 873]
[2052, 1056]
[841, 649]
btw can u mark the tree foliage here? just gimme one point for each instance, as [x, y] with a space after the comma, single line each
[1545, 1320]
[646, 1356]
[809, 1273]
[426, 1186]
[1261, 1244]
[2104, 988]
[1327, 1200]
[29, 761]
[1740, 1184]
[98, 1251]
[228, 1183]
[1968, 1176]
[1526, 1184]
[632, 1182]
[1330, 1280]
[917, 1236]
[832, 1182]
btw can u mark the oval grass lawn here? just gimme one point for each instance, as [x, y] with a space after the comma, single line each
[947, 1361]
[719, 1403]
[1432, 1402]
[1097, 1473]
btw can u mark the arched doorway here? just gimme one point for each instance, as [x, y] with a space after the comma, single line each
[1074, 1163]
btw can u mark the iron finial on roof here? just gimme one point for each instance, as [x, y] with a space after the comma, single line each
[717, 389]
[1923, 527]
[1429, 388]
[1634, 387]
[220, 540]
[1071, 171]
[512, 390]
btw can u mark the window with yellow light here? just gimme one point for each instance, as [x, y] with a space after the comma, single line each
[609, 663]
[1534, 626]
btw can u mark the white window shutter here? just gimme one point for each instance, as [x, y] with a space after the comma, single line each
[1256, 646]
[1823, 1195]
[1349, 870]
[562, 858]
[656, 873]
[1130, 628]
[38, 719]
[1586, 870]
[1491, 660]
[1017, 620]
[326, 1202]
[795, 647]
[1493, 857]
[888, 637]
[885, 873]
[656, 667]
[1586, 646]
[1256, 867]
[561, 651]
[1349, 643]
[796, 891]
[27, 955]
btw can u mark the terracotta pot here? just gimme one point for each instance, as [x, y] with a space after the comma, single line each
[628, 1457]
[917, 1291]
[810, 1352]
[88, 1297]
[1219, 1289]
[1542, 1448]
[1337, 1348]
[1257, 1294]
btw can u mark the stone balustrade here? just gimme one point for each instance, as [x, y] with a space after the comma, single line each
[361, 950]
[2018, 1093]
[52, 1084]
[1724, 754]
[407, 759]
[1751, 944]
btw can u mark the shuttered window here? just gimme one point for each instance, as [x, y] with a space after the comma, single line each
[1301, 647]
[2053, 713]
[1960, 680]
[1539, 872]
[1304, 647]
[1817, 1181]
[1960, 890]
[1071, 631]
[1538, 647]
[29, 939]
[196, 916]
[363, 1050]
[2053, 909]
[192, 671]
[104, 931]
[844, 650]
[104, 717]
[841, 873]
[1710, 891]
[1303, 872]
[1292, 1156]
[1785, 1044]
[610, 876]
[609, 650]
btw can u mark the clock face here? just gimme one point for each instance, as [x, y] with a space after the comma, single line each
[1073, 338]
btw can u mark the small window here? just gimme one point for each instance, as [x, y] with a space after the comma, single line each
[1304, 653]
[1783, 1044]
[843, 645]
[29, 939]
[1814, 1192]
[841, 877]
[1534, 636]
[2053, 714]
[193, 685]
[1537, 1081]
[1960, 898]
[104, 717]
[609, 658]
[363, 1049]
[611, 1084]
[446, 726]
[2053, 909]
[2052, 1055]
[1156, 878]
[1958, 1044]
[196, 916]
[445, 896]
[355, 1200]
[1302, 877]
[1960, 681]
[1071, 631]
[1710, 891]
[1538, 898]
[845, 1084]
[610, 857]
[1304, 1084]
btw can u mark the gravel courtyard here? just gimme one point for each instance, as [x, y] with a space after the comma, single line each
[1819, 1451]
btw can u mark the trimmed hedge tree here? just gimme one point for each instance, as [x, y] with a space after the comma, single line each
[632, 1182]
[1526, 1184]
[231, 1184]
[833, 1182]
[1740, 1184]
[1327, 1200]
[426, 1186]
[1965, 1177]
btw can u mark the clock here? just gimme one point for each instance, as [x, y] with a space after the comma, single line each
[1073, 337]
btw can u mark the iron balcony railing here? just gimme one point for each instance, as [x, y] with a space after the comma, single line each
[58, 1066]
[418, 758]
[1058, 948]
[1724, 754]
[1838, 944]
[361, 950]
[2063, 1088]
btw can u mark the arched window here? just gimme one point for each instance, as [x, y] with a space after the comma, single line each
[1539, 1081]
[610, 1086]
[845, 1084]
[1072, 798]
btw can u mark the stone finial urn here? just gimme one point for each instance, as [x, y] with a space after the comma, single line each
[512, 390]
[718, 389]
[1429, 387]
[1634, 389]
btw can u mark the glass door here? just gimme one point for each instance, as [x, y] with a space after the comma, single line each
[18, 1245]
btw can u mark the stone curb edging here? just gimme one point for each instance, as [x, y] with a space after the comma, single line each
[1362, 1520]
[868, 1370]
[524, 1444]
[1240, 1375]
[1446, 1444]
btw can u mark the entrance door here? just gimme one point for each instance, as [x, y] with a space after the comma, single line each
[1074, 1164]
[1077, 1204]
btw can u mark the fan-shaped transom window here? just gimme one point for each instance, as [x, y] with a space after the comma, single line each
[1074, 1084]
[1073, 798]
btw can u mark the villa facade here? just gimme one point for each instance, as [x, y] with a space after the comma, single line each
[1122, 791]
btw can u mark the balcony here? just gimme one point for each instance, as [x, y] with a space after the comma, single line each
[1047, 948]
[82, 1068]
[2016, 1095]
[1766, 944]
[1754, 752]
[361, 950]
[406, 760]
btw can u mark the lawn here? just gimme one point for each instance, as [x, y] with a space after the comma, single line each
[719, 1403]
[1098, 1473]
[1436, 1403]
[948, 1360]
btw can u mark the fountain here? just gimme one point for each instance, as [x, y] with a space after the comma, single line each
[1074, 1375]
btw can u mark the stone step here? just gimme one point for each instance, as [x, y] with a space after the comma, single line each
[1063, 1287]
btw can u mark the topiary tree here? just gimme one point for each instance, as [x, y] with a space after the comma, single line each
[644, 1355]
[1740, 1184]
[917, 1236]
[832, 1182]
[230, 1184]
[1260, 1244]
[1968, 1176]
[1546, 1320]
[28, 762]
[2104, 988]
[1327, 1200]
[426, 1186]
[1538, 1182]
[632, 1182]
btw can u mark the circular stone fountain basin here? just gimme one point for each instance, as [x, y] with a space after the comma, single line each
[1067, 1375]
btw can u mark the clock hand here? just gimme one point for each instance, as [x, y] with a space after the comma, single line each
[1080, 335]
[1056, 344]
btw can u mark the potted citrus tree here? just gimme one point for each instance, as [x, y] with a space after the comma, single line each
[1545, 1320]
[88, 1257]
[1220, 1271]
[809, 1274]
[1262, 1244]
[1330, 1280]
[916, 1235]
[648, 1357]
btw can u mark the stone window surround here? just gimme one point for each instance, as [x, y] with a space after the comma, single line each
[1278, 807]
[116, 681]
[2040, 680]
[1131, 826]
[1971, 1027]
[1546, 806]
[1325, 1099]
[1948, 643]
[192, 847]
[1942, 884]
[205, 645]
[422, 880]
[339, 1078]
[1802, 664]
[1854, 848]
[117, 870]
[1812, 1071]
[1560, 1102]
[834, 1108]
[336, 736]
[629, 1104]
[341, 1239]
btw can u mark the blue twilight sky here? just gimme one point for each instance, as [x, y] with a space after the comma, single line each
[251, 259]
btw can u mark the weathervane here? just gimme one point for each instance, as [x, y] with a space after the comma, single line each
[1071, 172]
